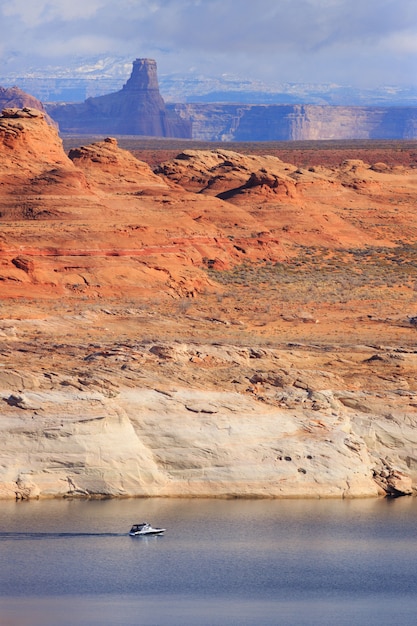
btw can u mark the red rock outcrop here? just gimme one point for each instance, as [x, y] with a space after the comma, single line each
[114, 169]
[126, 211]
[15, 98]
[34, 169]
[292, 203]
[27, 143]
[247, 208]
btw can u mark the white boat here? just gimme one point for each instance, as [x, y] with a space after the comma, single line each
[145, 529]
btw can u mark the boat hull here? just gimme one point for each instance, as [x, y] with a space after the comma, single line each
[157, 531]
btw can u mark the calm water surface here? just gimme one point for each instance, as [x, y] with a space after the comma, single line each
[221, 562]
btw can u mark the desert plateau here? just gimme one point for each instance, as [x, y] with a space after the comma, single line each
[188, 319]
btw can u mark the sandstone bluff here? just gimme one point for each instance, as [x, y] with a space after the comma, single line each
[216, 327]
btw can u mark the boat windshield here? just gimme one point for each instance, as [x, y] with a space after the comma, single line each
[139, 526]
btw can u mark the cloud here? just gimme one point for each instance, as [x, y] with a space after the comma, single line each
[314, 39]
[35, 13]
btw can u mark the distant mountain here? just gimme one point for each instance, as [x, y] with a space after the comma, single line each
[96, 77]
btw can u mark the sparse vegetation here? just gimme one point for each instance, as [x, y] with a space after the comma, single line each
[323, 275]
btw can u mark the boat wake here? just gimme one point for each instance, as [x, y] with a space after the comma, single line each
[15, 536]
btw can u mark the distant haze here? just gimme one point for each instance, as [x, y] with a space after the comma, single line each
[363, 43]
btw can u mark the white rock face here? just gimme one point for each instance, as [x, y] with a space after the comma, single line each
[191, 443]
[79, 439]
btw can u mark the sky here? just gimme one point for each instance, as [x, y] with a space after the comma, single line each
[364, 43]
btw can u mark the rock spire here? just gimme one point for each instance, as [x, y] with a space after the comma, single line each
[137, 109]
[143, 77]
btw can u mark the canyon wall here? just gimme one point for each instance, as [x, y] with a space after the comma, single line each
[275, 122]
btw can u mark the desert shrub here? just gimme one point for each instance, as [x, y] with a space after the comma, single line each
[329, 275]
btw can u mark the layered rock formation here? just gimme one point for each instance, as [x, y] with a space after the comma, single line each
[228, 325]
[246, 122]
[149, 419]
[13, 97]
[138, 109]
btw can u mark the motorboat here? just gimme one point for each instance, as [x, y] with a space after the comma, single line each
[143, 529]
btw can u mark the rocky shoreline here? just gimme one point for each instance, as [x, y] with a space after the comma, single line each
[151, 420]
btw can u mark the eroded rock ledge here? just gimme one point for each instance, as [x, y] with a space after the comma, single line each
[126, 426]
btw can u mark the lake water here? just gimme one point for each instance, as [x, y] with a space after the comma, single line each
[221, 562]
